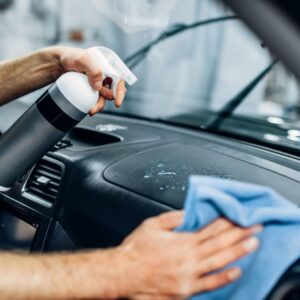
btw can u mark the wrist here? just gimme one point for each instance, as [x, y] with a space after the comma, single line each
[129, 271]
[107, 276]
[52, 58]
[121, 279]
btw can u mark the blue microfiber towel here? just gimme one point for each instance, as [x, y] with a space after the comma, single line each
[247, 205]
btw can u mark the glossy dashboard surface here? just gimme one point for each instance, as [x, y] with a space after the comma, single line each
[108, 189]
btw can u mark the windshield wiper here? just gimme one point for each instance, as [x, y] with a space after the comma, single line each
[137, 57]
[228, 109]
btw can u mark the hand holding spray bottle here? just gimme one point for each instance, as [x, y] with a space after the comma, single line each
[53, 115]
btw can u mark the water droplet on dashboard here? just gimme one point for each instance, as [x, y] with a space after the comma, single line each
[166, 173]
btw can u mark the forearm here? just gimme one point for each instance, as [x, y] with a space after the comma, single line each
[26, 74]
[61, 276]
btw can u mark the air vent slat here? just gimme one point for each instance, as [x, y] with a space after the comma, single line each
[54, 171]
[40, 192]
[51, 182]
[47, 174]
[45, 179]
[37, 185]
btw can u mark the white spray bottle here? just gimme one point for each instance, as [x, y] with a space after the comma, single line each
[53, 115]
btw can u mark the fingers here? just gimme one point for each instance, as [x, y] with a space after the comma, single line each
[227, 239]
[214, 229]
[223, 258]
[107, 93]
[99, 106]
[86, 64]
[120, 94]
[212, 282]
[79, 60]
[169, 220]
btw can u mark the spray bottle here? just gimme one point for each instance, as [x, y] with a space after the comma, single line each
[53, 115]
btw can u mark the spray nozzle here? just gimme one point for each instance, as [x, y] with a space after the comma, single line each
[112, 66]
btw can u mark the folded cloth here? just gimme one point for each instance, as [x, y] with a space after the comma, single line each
[246, 204]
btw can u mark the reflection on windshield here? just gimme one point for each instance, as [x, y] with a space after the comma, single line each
[269, 102]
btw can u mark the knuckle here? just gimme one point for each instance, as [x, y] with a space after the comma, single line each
[204, 285]
[96, 73]
[240, 250]
[249, 231]
[242, 231]
[184, 288]
[215, 282]
[80, 59]
[235, 234]
[223, 222]
[149, 222]
[219, 280]
[85, 60]
[163, 217]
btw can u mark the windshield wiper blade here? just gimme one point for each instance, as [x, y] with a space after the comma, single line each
[228, 109]
[137, 57]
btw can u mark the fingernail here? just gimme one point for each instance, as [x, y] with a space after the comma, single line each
[234, 274]
[257, 229]
[251, 244]
[98, 85]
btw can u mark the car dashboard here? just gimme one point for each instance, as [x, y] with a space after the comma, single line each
[111, 172]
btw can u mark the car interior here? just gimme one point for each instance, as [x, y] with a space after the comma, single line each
[118, 168]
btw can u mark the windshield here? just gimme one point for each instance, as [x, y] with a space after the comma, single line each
[186, 77]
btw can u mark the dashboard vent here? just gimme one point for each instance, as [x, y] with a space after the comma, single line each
[44, 181]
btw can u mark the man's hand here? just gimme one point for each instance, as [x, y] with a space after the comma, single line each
[29, 73]
[153, 263]
[160, 264]
[79, 60]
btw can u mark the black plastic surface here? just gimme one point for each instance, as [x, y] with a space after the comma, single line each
[87, 138]
[288, 287]
[163, 173]
[108, 190]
